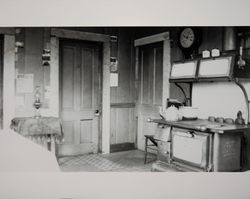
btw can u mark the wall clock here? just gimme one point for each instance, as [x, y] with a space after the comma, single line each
[189, 41]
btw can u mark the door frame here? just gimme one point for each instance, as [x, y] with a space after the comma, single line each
[56, 34]
[8, 76]
[166, 67]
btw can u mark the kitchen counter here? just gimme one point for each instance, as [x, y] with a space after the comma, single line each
[205, 126]
[202, 145]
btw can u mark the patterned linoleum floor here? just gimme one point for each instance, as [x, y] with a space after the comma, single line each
[115, 162]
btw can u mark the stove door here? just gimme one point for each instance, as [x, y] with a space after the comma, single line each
[191, 148]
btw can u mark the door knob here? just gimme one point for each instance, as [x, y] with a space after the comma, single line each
[97, 112]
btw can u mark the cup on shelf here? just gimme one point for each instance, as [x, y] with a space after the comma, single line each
[205, 53]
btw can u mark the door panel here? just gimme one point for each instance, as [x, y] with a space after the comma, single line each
[150, 88]
[124, 128]
[86, 131]
[147, 76]
[158, 74]
[86, 79]
[69, 128]
[80, 96]
[68, 78]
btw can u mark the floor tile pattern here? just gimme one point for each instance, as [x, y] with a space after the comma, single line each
[126, 161]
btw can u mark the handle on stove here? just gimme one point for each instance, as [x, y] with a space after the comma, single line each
[202, 128]
[191, 133]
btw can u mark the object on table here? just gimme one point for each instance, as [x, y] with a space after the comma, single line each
[46, 131]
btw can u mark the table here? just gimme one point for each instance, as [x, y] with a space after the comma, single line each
[46, 131]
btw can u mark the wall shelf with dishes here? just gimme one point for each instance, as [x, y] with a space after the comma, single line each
[221, 68]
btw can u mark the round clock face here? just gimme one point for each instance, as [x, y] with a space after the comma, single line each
[187, 38]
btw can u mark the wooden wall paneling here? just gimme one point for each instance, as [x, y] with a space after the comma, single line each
[115, 51]
[113, 126]
[123, 129]
[124, 61]
[33, 64]
[132, 68]
[122, 97]
[132, 126]
[212, 37]
[122, 135]
[20, 54]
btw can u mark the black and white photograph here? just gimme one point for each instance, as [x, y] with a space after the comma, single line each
[112, 101]
[127, 98]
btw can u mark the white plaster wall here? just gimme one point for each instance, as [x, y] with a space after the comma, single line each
[219, 99]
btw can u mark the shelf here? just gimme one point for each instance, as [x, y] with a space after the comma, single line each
[212, 69]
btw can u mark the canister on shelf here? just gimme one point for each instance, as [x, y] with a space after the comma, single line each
[215, 52]
[205, 53]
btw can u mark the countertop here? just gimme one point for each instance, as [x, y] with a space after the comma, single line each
[205, 126]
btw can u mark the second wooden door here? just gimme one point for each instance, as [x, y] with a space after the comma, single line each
[80, 87]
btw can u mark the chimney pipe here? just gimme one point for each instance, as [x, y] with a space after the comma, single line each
[229, 38]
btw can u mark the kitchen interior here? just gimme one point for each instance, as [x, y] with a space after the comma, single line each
[150, 98]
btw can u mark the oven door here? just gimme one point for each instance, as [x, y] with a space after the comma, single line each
[190, 147]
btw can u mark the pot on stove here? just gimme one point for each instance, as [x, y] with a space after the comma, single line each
[189, 112]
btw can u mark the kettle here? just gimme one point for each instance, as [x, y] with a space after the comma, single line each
[170, 114]
[239, 119]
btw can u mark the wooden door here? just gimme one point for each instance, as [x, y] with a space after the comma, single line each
[80, 87]
[150, 78]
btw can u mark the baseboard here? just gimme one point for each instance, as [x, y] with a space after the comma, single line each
[122, 147]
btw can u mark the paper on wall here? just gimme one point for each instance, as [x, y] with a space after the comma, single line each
[114, 79]
[24, 83]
